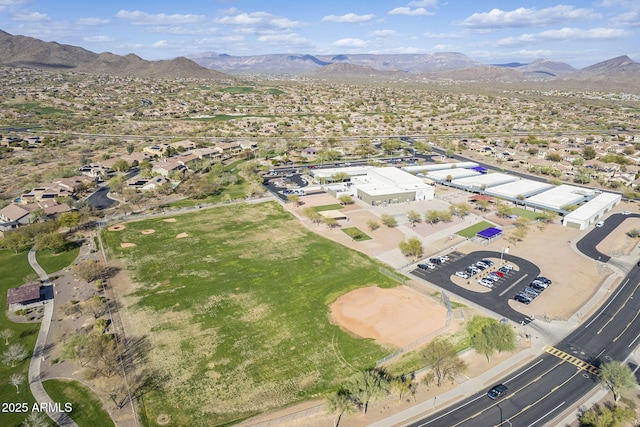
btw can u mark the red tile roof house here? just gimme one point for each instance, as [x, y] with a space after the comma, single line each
[21, 297]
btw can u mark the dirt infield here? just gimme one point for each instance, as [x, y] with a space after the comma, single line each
[182, 235]
[397, 316]
[117, 227]
[170, 220]
[127, 245]
[150, 231]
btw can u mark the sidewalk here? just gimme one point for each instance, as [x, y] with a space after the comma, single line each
[35, 382]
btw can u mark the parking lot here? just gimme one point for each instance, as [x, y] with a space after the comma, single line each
[497, 294]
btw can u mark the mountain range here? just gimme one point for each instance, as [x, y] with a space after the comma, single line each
[22, 51]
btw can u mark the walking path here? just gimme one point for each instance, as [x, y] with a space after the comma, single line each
[35, 380]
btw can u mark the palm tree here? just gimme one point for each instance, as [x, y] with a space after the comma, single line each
[340, 403]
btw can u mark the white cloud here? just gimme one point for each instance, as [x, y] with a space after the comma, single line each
[383, 33]
[350, 42]
[98, 39]
[421, 11]
[628, 19]
[423, 3]
[286, 39]
[349, 18]
[524, 17]
[566, 34]
[138, 17]
[31, 17]
[160, 43]
[455, 35]
[92, 21]
[258, 20]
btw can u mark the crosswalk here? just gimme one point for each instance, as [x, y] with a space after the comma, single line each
[581, 364]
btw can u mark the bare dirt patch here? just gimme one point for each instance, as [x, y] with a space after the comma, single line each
[169, 220]
[149, 231]
[618, 243]
[397, 316]
[127, 245]
[117, 227]
[182, 235]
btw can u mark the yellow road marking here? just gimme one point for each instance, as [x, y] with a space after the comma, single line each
[579, 363]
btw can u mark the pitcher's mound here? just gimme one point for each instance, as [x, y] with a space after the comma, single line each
[118, 227]
[182, 236]
[127, 245]
[398, 316]
[148, 231]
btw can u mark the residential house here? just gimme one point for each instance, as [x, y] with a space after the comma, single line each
[167, 166]
[14, 213]
[229, 149]
[207, 153]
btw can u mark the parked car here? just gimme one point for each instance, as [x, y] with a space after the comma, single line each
[626, 212]
[508, 266]
[426, 266]
[543, 279]
[462, 274]
[497, 391]
[435, 260]
[444, 258]
[486, 282]
[487, 261]
[600, 224]
[480, 265]
[470, 271]
[531, 292]
[493, 276]
[499, 273]
[538, 286]
[474, 269]
[525, 299]
[503, 270]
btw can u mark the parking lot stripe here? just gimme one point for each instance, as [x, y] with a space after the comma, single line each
[515, 283]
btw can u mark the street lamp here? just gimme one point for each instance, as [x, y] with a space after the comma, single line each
[504, 251]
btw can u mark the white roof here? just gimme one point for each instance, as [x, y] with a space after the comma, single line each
[524, 187]
[389, 180]
[455, 173]
[562, 195]
[594, 207]
[486, 180]
[439, 166]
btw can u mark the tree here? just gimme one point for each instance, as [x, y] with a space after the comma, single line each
[483, 205]
[69, 219]
[589, 153]
[606, 416]
[411, 247]
[15, 240]
[36, 419]
[329, 221]
[52, 241]
[96, 306]
[400, 386]
[432, 216]
[413, 217]
[294, 199]
[503, 210]
[367, 386]
[339, 403]
[441, 355]
[6, 334]
[488, 335]
[373, 225]
[16, 380]
[460, 209]
[15, 353]
[345, 199]
[313, 215]
[388, 220]
[116, 183]
[130, 148]
[618, 378]
[89, 269]
[121, 165]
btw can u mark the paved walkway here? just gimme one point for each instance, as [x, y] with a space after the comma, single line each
[35, 381]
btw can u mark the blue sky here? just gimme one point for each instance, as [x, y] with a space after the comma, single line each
[577, 32]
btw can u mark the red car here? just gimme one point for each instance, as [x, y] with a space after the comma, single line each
[499, 273]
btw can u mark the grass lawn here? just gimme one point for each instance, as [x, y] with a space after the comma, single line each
[87, 409]
[356, 234]
[333, 207]
[55, 262]
[470, 232]
[14, 270]
[238, 311]
[524, 213]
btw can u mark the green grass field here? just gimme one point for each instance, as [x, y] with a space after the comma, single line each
[356, 234]
[14, 270]
[51, 262]
[470, 232]
[238, 311]
[87, 408]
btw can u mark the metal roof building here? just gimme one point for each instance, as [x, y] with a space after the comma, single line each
[591, 211]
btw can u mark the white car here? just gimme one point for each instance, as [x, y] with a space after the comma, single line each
[462, 274]
[626, 213]
[600, 224]
[485, 282]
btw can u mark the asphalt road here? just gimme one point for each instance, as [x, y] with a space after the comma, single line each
[500, 298]
[99, 199]
[557, 380]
